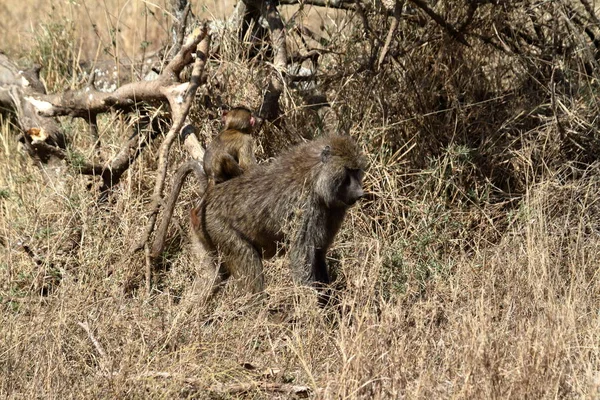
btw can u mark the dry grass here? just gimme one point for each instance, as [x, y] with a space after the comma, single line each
[101, 27]
[472, 274]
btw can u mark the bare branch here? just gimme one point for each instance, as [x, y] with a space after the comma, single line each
[590, 10]
[15, 85]
[388, 40]
[180, 99]
[339, 4]
[234, 388]
[84, 102]
[35, 110]
[270, 107]
[104, 360]
[190, 142]
[23, 92]
[440, 21]
[182, 10]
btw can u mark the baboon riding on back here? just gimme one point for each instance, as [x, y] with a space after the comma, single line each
[300, 198]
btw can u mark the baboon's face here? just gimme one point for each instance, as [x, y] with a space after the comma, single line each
[339, 183]
[351, 188]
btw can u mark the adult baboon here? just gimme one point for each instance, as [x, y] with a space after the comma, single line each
[231, 152]
[301, 197]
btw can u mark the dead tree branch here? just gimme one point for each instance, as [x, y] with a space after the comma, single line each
[193, 147]
[15, 87]
[104, 361]
[190, 142]
[270, 107]
[422, 4]
[341, 5]
[42, 136]
[234, 388]
[36, 111]
[87, 101]
[180, 99]
[388, 40]
[182, 9]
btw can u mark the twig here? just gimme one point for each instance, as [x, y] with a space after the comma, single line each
[440, 21]
[234, 388]
[342, 5]
[241, 388]
[388, 40]
[182, 25]
[104, 360]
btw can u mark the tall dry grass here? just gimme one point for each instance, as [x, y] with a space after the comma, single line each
[472, 272]
[108, 27]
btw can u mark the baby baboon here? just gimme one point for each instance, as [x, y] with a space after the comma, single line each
[231, 152]
[301, 197]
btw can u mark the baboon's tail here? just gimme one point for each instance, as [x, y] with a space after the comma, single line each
[180, 175]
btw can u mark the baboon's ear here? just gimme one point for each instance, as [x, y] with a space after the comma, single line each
[224, 114]
[325, 154]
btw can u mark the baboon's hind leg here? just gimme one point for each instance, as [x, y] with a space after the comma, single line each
[243, 261]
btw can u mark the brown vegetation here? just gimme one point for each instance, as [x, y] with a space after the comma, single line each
[469, 271]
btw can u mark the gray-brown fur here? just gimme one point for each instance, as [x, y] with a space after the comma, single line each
[231, 152]
[300, 198]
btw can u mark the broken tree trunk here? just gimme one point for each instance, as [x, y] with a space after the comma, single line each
[16, 87]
